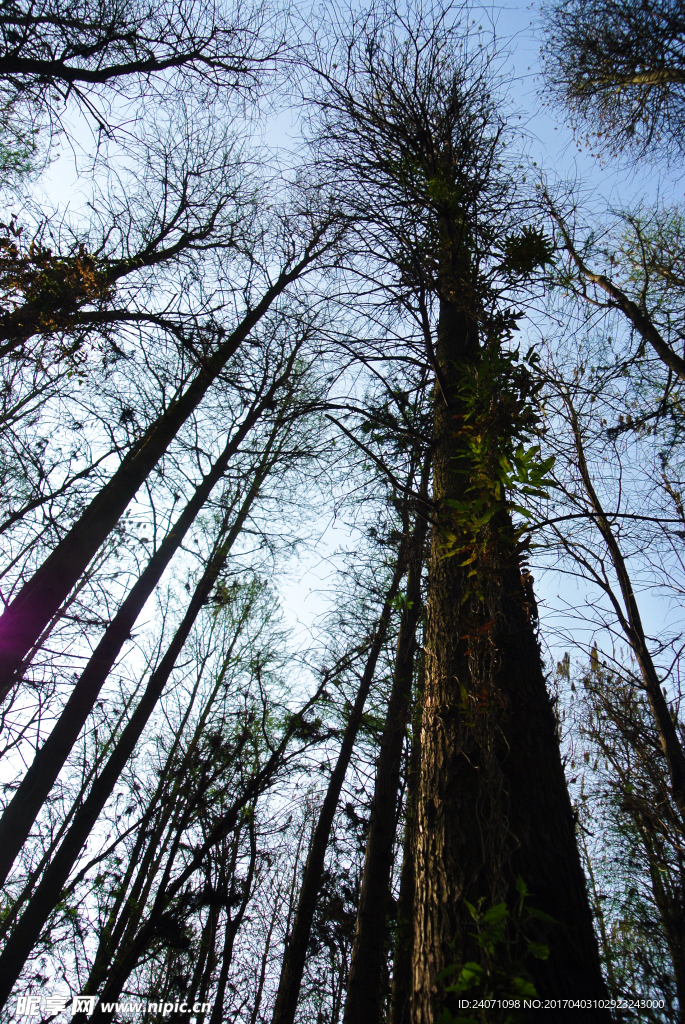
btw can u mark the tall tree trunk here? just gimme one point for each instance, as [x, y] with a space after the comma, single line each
[363, 1001]
[150, 843]
[222, 980]
[21, 812]
[136, 942]
[257, 1001]
[48, 892]
[31, 878]
[205, 962]
[298, 940]
[23, 621]
[493, 802]
[400, 1002]
[631, 623]
[169, 889]
[232, 928]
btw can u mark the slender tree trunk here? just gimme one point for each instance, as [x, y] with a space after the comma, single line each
[32, 877]
[493, 802]
[139, 942]
[631, 623]
[48, 892]
[147, 856]
[232, 928]
[222, 981]
[670, 902]
[400, 1003]
[135, 945]
[21, 812]
[148, 846]
[206, 960]
[363, 1003]
[25, 619]
[256, 1006]
[296, 948]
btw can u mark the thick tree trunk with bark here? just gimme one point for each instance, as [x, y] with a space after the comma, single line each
[363, 1004]
[492, 802]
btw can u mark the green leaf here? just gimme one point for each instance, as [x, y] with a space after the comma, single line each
[469, 906]
[469, 976]
[497, 913]
[523, 987]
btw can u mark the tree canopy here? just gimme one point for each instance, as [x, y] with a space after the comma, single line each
[619, 67]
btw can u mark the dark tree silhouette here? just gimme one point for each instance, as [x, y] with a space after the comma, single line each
[92, 51]
[620, 69]
[415, 140]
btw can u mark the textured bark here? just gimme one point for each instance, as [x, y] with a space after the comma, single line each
[492, 801]
[298, 940]
[22, 623]
[363, 1003]
[21, 812]
[400, 1002]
